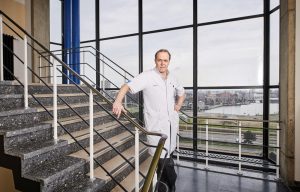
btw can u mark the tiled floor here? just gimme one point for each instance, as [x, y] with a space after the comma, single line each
[193, 180]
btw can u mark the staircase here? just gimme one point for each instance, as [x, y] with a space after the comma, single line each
[39, 163]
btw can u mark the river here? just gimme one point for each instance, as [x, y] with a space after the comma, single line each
[250, 109]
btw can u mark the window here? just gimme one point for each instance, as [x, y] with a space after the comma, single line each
[231, 53]
[87, 20]
[118, 17]
[123, 52]
[159, 14]
[55, 22]
[180, 45]
[224, 9]
[274, 48]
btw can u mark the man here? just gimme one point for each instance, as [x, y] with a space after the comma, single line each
[163, 98]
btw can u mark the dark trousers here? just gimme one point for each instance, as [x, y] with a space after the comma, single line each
[168, 175]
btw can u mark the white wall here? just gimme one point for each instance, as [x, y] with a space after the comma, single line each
[297, 95]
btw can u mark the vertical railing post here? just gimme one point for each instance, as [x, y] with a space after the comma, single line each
[177, 146]
[240, 147]
[125, 99]
[206, 144]
[103, 80]
[277, 152]
[83, 64]
[40, 65]
[137, 163]
[54, 100]
[25, 74]
[91, 136]
[1, 49]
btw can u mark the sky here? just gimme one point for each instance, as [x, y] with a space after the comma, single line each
[229, 54]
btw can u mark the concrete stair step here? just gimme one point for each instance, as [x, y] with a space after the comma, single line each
[129, 182]
[22, 135]
[58, 172]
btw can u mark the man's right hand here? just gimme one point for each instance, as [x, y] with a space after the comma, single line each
[118, 108]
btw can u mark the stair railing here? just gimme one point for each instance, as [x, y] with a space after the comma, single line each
[154, 162]
[206, 124]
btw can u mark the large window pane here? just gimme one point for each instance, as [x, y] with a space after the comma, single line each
[159, 14]
[225, 105]
[123, 52]
[274, 117]
[224, 9]
[273, 4]
[87, 20]
[231, 54]
[118, 17]
[55, 21]
[186, 121]
[274, 48]
[180, 45]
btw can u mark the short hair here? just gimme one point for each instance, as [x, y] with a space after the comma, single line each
[163, 51]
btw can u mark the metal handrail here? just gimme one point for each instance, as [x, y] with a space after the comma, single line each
[163, 137]
[88, 46]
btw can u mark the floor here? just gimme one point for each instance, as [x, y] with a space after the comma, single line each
[193, 180]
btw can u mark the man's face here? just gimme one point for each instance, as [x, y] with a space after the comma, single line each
[162, 62]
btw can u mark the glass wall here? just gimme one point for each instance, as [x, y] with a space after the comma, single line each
[229, 57]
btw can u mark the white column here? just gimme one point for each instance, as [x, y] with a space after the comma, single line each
[25, 74]
[137, 162]
[91, 136]
[1, 50]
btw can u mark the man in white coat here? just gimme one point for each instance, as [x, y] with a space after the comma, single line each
[163, 98]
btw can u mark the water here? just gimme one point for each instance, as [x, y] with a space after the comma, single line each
[250, 109]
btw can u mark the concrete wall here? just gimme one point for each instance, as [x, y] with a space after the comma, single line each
[40, 27]
[19, 11]
[16, 11]
[297, 95]
[6, 180]
[287, 90]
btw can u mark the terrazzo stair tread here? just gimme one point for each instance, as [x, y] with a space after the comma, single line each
[48, 172]
[129, 182]
[6, 82]
[61, 88]
[11, 96]
[115, 165]
[84, 133]
[81, 185]
[17, 112]
[75, 118]
[59, 107]
[102, 147]
[70, 98]
[27, 129]
[32, 149]
[61, 94]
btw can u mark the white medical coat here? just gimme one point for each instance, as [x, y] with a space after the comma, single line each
[159, 101]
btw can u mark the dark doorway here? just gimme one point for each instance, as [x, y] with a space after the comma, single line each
[8, 57]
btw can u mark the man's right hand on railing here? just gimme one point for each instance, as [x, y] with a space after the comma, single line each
[118, 108]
